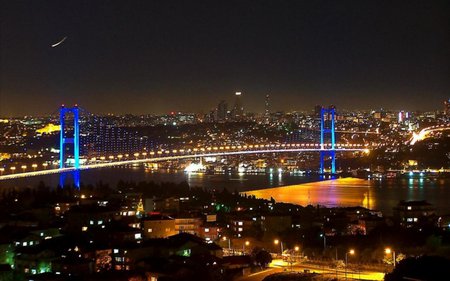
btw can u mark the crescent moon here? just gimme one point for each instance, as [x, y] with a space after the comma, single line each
[60, 42]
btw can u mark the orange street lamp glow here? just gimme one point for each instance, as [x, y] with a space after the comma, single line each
[389, 251]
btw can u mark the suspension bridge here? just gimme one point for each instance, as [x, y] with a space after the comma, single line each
[70, 136]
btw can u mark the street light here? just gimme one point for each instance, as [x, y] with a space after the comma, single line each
[297, 250]
[324, 240]
[247, 243]
[351, 252]
[389, 251]
[276, 242]
[229, 242]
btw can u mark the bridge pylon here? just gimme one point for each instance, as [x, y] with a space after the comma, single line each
[327, 127]
[74, 140]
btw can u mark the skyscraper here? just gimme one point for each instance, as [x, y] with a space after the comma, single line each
[238, 109]
[317, 110]
[447, 107]
[267, 109]
[222, 111]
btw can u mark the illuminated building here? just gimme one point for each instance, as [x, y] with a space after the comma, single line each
[209, 232]
[100, 136]
[188, 224]
[222, 111]
[238, 109]
[49, 128]
[403, 116]
[159, 227]
[267, 109]
[413, 213]
[447, 107]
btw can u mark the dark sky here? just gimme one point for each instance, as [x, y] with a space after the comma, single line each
[159, 56]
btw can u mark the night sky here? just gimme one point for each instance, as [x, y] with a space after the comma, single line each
[161, 56]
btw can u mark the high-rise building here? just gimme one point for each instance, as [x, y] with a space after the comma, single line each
[403, 116]
[238, 109]
[447, 107]
[222, 111]
[267, 109]
[317, 110]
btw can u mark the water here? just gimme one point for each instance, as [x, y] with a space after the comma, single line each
[379, 195]
[111, 176]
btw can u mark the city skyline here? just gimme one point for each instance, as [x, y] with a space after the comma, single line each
[161, 57]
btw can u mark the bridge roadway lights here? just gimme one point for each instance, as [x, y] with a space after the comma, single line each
[162, 158]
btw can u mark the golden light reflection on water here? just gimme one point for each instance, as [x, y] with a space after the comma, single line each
[331, 193]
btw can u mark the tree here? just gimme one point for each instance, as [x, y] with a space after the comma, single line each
[421, 268]
[262, 257]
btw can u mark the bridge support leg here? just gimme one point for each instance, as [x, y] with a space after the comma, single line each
[62, 179]
[75, 175]
[76, 178]
[333, 162]
[322, 164]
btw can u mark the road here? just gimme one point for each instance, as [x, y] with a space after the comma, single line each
[312, 148]
[258, 276]
[280, 266]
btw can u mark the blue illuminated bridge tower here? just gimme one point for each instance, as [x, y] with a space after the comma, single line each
[327, 130]
[72, 140]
